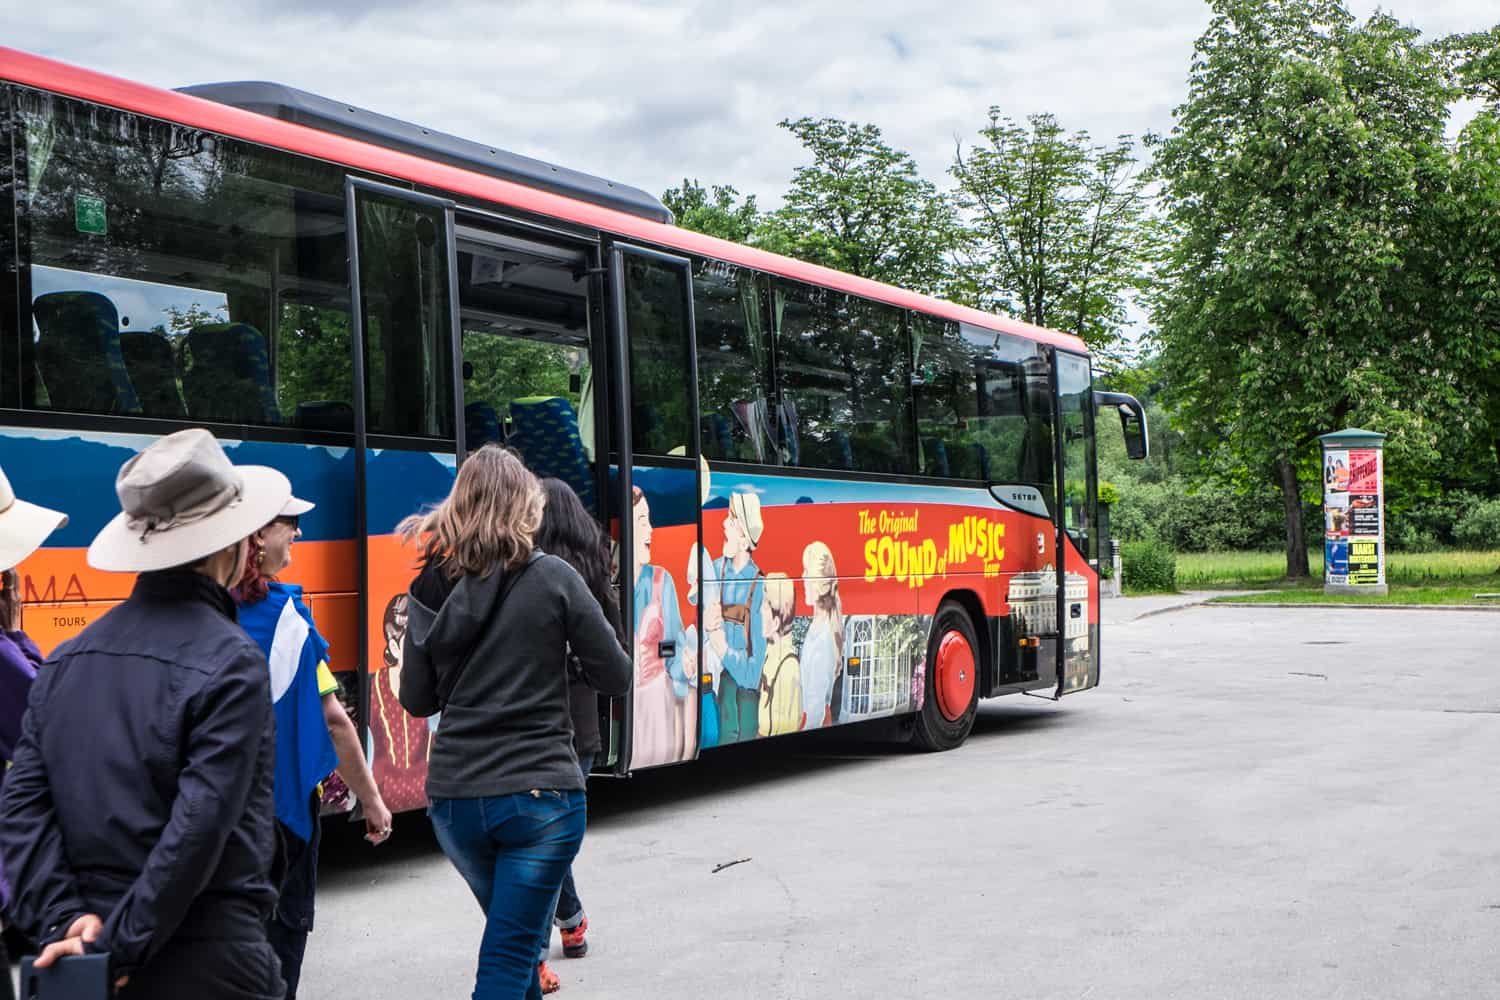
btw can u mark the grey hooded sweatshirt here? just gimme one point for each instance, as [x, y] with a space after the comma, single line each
[506, 727]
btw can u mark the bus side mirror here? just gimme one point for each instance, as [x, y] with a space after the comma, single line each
[1132, 420]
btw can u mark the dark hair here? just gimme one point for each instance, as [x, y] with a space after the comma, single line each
[569, 532]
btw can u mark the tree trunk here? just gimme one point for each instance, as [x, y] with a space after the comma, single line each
[1296, 544]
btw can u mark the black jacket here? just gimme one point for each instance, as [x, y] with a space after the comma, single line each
[141, 789]
[583, 700]
[506, 726]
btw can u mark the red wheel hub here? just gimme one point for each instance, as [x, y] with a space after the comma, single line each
[955, 675]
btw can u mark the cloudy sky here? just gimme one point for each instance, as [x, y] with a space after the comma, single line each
[650, 91]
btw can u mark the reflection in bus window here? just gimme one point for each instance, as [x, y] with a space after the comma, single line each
[165, 263]
[733, 364]
[983, 405]
[657, 323]
[841, 371]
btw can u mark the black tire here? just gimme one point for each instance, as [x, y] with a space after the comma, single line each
[934, 730]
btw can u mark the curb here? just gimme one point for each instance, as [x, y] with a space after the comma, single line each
[1489, 608]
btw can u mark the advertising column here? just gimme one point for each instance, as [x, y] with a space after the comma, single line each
[1353, 512]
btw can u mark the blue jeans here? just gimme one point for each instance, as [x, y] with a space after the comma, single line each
[567, 908]
[513, 851]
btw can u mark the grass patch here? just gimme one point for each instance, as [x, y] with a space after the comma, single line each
[1474, 571]
[1400, 593]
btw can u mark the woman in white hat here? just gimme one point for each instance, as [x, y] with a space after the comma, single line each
[313, 733]
[23, 528]
[147, 748]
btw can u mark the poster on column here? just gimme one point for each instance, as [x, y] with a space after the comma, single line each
[1336, 555]
[1364, 471]
[1364, 562]
[1364, 514]
[1336, 478]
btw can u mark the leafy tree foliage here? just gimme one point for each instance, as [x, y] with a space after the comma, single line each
[1057, 231]
[716, 210]
[860, 206]
[1299, 179]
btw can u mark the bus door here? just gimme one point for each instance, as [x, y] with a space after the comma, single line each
[531, 345]
[658, 495]
[1078, 535]
[407, 442]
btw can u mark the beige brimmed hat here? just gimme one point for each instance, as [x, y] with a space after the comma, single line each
[296, 507]
[746, 508]
[181, 500]
[23, 526]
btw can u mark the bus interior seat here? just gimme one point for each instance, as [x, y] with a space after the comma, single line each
[153, 371]
[78, 354]
[229, 377]
[544, 429]
[481, 425]
[718, 440]
[843, 454]
[325, 415]
[936, 455]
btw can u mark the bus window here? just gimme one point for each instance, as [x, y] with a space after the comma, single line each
[1076, 404]
[733, 363]
[840, 372]
[660, 359]
[528, 381]
[983, 405]
[166, 264]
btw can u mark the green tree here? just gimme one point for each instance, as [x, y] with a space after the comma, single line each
[716, 211]
[860, 206]
[1056, 227]
[1298, 181]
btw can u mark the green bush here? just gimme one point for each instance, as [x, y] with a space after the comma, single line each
[1478, 526]
[1148, 567]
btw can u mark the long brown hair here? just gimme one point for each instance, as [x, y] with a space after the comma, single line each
[488, 519]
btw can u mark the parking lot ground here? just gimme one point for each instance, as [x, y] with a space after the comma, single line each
[1256, 803]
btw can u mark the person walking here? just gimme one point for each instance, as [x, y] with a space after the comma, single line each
[568, 532]
[23, 528]
[137, 818]
[313, 733]
[491, 624]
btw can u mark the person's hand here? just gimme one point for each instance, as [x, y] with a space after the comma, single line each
[718, 643]
[377, 822]
[83, 931]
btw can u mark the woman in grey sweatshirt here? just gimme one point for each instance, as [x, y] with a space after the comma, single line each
[491, 623]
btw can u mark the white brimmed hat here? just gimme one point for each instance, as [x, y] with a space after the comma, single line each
[23, 526]
[746, 508]
[296, 507]
[181, 500]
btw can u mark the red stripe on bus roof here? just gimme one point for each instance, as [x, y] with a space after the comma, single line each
[48, 74]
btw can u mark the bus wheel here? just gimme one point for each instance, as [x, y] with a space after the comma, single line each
[951, 688]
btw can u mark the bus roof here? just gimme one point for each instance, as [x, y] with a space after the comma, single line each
[293, 105]
[183, 108]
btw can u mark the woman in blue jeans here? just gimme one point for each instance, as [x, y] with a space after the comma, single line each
[570, 532]
[493, 625]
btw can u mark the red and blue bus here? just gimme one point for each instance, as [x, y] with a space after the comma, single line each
[834, 500]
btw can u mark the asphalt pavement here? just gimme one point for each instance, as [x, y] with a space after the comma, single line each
[1256, 803]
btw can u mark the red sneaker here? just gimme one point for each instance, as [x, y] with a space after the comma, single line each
[575, 945]
[547, 978]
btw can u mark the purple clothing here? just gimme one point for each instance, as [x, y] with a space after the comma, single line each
[19, 659]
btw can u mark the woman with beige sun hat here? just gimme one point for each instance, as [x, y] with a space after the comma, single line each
[23, 528]
[147, 748]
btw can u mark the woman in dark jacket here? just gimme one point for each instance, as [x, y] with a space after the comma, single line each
[491, 622]
[569, 532]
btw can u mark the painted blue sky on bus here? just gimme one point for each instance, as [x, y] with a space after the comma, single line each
[75, 473]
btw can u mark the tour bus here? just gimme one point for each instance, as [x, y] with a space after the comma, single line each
[832, 500]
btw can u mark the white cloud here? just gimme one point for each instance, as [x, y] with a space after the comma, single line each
[650, 92]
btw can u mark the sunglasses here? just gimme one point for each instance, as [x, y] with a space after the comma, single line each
[291, 522]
